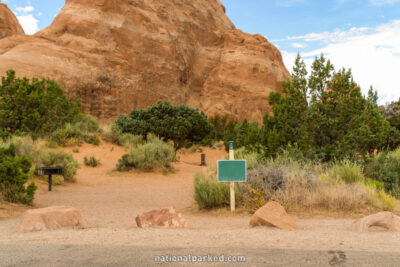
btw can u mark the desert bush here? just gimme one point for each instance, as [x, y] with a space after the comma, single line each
[385, 167]
[84, 129]
[179, 124]
[252, 158]
[348, 171]
[315, 187]
[209, 193]
[155, 153]
[130, 140]
[36, 107]
[379, 199]
[91, 161]
[14, 173]
[45, 157]
[111, 133]
[375, 184]
[42, 156]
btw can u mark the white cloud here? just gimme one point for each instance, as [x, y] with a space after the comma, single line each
[26, 9]
[299, 45]
[373, 54]
[29, 23]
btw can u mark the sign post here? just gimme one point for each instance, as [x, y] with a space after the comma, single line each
[232, 185]
[232, 171]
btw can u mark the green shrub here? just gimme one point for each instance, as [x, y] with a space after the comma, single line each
[179, 124]
[130, 140]
[379, 199]
[91, 161]
[45, 157]
[84, 129]
[374, 183]
[252, 158]
[348, 171]
[75, 150]
[14, 173]
[37, 107]
[111, 134]
[385, 167]
[208, 193]
[153, 154]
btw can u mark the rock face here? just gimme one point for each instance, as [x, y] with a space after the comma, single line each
[119, 55]
[274, 215]
[9, 24]
[51, 218]
[167, 217]
[382, 220]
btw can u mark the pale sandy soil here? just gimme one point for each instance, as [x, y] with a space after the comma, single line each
[110, 201]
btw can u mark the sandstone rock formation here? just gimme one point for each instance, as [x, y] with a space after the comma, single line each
[51, 218]
[274, 215]
[119, 55]
[382, 220]
[9, 24]
[167, 217]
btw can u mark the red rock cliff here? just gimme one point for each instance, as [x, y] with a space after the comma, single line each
[9, 24]
[119, 55]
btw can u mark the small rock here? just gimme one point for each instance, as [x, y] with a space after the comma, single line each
[167, 217]
[385, 220]
[274, 215]
[51, 218]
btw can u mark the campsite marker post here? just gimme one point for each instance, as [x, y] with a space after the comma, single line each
[232, 171]
[232, 184]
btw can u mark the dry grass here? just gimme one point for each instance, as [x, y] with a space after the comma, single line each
[313, 190]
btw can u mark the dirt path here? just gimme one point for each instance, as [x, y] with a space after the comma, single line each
[108, 198]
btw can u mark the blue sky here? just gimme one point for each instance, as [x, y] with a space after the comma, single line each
[363, 35]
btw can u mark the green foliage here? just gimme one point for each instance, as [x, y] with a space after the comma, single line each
[325, 115]
[347, 171]
[37, 107]
[130, 140]
[381, 200]
[84, 129]
[45, 157]
[179, 124]
[112, 134]
[14, 173]
[374, 183]
[209, 194]
[392, 113]
[222, 128]
[145, 157]
[91, 161]
[253, 158]
[385, 167]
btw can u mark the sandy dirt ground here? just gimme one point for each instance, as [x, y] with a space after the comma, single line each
[110, 201]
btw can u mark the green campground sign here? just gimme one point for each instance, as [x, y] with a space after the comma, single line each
[232, 171]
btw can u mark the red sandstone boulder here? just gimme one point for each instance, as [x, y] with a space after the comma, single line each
[167, 217]
[51, 218]
[382, 220]
[274, 215]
